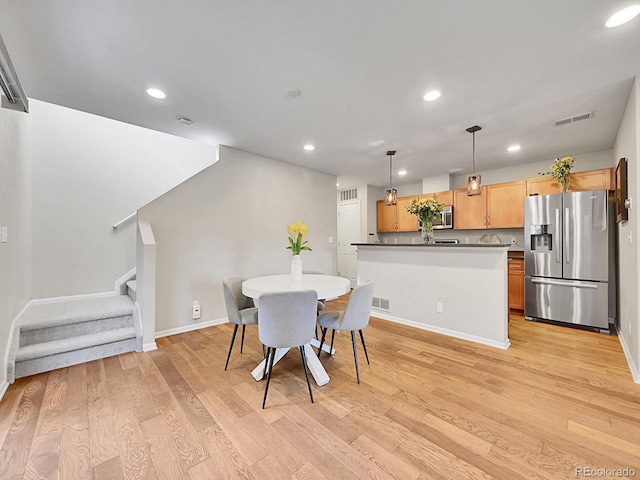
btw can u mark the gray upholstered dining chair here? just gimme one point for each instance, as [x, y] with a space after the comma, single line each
[354, 317]
[286, 320]
[240, 309]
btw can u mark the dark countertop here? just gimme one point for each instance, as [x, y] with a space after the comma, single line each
[435, 245]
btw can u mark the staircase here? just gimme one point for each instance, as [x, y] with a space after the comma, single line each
[72, 331]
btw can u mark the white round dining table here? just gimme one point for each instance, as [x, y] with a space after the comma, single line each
[327, 286]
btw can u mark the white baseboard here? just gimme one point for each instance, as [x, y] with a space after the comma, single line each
[148, 347]
[44, 301]
[635, 374]
[444, 331]
[190, 328]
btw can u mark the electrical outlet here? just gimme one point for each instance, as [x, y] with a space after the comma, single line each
[196, 309]
[513, 241]
[439, 307]
[466, 239]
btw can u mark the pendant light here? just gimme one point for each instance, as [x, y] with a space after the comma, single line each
[390, 194]
[473, 181]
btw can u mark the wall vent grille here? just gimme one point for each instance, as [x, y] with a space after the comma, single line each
[380, 303]
[577, 118]
[349, 194]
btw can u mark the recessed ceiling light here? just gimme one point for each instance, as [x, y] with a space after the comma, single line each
[155, 93]
[402, 172]
[309, 147]
[432, 95]
[513, 148]
[623, 16]
[337, 184]
[294, 93]
[184, 121]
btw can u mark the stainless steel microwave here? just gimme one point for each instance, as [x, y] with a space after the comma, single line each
[444, 221]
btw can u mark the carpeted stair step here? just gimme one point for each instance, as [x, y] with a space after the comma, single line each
[72, 331]
[54, 347]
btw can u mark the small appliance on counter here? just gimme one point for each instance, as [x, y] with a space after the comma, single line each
[570, 259]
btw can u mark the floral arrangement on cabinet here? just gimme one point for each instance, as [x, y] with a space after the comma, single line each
[426, 209]
[561, 171]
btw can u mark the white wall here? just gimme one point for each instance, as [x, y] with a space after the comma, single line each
[627, 146]
[88, 173]
[232, 219]
[15, 214]
[469, 282]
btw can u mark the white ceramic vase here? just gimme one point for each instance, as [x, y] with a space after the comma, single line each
[296, 268]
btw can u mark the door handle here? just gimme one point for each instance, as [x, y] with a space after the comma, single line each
[567, 257]
[557, 226]
[563, 284]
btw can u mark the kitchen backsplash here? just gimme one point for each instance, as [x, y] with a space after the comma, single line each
[504, 235]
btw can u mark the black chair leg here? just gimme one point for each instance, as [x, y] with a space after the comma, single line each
[355, 353]
[233, 338]
[242, 340]
[333, 334]
[324, 334]
[364, 346]
[271, 355]
[306, 372]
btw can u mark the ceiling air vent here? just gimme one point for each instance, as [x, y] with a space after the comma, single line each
[349, 194]
[577, 118]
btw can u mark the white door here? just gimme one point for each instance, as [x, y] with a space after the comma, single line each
[348, 233]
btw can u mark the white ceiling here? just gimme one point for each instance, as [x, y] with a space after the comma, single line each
[363, 66]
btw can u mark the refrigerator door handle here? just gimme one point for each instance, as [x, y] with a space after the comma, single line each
[567, 257]
[563, 284]
[557, 226]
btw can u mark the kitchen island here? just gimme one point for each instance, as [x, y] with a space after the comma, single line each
[459, 290]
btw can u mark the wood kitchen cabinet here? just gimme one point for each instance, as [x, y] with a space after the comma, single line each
[516, 283]
[445, 197]
[395, 218]
[602, 179]
[500, 205]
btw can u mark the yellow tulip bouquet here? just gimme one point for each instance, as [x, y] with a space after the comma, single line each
[297, 231]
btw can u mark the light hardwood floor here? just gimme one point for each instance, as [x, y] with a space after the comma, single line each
[428, 407]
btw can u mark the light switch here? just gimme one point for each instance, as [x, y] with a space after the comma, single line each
[3, 234]
[330, 239]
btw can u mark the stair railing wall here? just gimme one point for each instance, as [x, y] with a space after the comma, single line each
[146, 284]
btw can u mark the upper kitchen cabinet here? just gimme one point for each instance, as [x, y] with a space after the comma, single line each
[499, 206]
[505, 205]
[602, 179]
[395, 218]
[469, 212]
[445, 197]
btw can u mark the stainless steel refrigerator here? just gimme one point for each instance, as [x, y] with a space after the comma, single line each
[570, 258]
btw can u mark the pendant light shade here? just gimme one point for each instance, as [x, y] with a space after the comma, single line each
[474, 186]
[390, 194]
